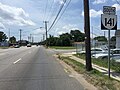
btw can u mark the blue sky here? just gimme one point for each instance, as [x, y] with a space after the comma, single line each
[29, 15]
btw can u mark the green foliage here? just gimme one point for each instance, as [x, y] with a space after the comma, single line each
[101, 38]
[66, 39]
[3, 36]
[12, 39]
[77, 36]
[113, 38]
[62, 47]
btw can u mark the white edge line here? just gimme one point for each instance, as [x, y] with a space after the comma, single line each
[17, 61]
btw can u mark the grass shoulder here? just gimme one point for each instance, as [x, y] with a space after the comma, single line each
[94, 77]
[4, 47]
[62, 47]
[103, 63]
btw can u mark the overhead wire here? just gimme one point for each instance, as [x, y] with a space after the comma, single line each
[61, 7]
[118, 2]
[62, 13]
[45, 11]
[50, 10]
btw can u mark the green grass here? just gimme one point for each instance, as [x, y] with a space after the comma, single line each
[62, 47]
[94, 77]
[103, 63]
[4, 47]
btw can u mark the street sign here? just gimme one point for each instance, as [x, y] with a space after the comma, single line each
[109, 10]
[108, 22]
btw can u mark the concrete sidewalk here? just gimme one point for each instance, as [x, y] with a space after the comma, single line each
[101, 69]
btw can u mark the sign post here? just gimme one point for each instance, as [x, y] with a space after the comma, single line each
[109, 22]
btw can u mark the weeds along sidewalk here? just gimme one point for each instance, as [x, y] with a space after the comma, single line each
[114, 75]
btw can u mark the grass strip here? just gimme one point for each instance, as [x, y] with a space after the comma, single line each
[103, 63]
[60, 47]
[94, 77]
[4, 47]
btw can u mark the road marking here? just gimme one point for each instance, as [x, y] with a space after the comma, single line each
[17, 61]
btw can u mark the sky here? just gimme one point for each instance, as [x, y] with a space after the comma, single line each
[29, 16]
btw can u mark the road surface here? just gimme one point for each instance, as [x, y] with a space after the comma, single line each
[33, 68]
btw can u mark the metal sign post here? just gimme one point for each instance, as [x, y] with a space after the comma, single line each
[109, 22]
[109, 53]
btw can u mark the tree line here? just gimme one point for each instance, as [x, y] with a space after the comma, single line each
[65, 39]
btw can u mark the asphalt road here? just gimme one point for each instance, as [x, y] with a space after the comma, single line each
[33, 68]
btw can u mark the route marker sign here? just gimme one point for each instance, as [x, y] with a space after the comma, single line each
[108, 22]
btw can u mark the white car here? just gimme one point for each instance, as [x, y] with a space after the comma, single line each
[95, 51]
[114, 52]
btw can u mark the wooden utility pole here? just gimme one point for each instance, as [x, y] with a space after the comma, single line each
[87, 35]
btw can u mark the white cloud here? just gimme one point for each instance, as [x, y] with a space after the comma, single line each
[60, 1]
[94, 13]
[14, 16]
[99, 1]
[117, 6]
[2, 26]
[66, 28]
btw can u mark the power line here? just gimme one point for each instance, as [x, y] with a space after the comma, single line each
[61, 7]
[62, 13]
[50, 10]
[118, 2]
[45, 10]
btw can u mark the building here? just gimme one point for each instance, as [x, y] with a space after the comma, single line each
[117, 34]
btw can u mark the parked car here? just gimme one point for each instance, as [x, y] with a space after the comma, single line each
[28, 45]
[16, 46]
[116, 58]
[113, 52]
[95, 51]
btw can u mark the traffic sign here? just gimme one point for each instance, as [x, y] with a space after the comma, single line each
[108, 22]
[109, 10]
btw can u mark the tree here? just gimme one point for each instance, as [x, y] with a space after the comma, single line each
[101, 38]
[77, 36]
[113, 38]
[52, 40]
[66, 39]
[12, 39]
[3, 36]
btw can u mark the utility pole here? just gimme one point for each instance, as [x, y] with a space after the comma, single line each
[43, 37]
[30, 38]
[20, 36]
[9, 36]
[87, 35]
[46, 33]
